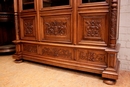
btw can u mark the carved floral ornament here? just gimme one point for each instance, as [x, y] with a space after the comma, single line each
[57, 52]
[93, 28]
[30, 48]
[28, 26]
[91, 56]
[56, 28]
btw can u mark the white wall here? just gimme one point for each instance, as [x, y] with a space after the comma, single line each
[124, 35]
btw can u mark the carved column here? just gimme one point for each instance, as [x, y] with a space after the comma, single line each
[113, 27]
[17, 55]
[16, 19]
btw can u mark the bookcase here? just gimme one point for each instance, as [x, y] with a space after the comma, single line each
[75, 34]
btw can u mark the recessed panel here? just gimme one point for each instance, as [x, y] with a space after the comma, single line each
[93, 56]
[28, 28]
[93, 28]
[57, 28]
[57, 52]
[30, 48]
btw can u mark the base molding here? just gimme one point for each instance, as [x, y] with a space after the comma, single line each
[99, 60]
[112, 73]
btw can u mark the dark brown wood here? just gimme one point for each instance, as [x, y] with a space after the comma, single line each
[7, 48]
[79, 35]
[7, 30]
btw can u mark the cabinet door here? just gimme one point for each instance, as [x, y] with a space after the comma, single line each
[93, 22]
[28, 27]
[56, 21]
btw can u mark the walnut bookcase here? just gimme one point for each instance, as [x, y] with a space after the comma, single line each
[75, 34]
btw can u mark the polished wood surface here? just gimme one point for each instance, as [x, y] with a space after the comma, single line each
[78, 35]
[7, 30]
[7, 48]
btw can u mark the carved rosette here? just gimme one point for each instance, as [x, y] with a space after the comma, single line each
[93, 28]
[113, 28]
[57, 52]
[30, 48]
[56, 28]
[91, 56]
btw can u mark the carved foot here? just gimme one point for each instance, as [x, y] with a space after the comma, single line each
[18, 61]
[109, 81]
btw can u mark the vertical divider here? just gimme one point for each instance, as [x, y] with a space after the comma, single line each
[38, 18]
[74, 4]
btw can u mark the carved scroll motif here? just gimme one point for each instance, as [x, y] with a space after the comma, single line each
[92, 56]
[30, 48]
[28, 26]
[93, 28]
[57, 52]
[56, 28]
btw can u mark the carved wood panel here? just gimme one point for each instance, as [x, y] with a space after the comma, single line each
[29, 48]
[57, 28]
[28, 28]
[57, 52]
[93, 28]
[91, 56]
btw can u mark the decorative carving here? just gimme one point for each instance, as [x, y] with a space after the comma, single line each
[17, 27]
[113, 19]
[91, 56]
[113, 28]
[93, 28]
[30, 48]
[57, 52]
[56, 28]
[28, 26]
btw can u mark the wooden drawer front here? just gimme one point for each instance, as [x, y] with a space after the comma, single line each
[28, 27]
[92, 28]
[29, 49]
[57, 52]
[56, 28]
[91, 56]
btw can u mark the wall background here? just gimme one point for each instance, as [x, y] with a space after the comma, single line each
[124, 35]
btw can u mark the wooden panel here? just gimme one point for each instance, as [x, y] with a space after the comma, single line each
[28, 27]
[30, 49]
[56, 28]
[57, 52]
[91, 56]
[92, 28]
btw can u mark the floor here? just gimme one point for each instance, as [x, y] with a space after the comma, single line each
[29, 74]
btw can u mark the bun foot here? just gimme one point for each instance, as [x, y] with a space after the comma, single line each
[18, 61]
[109, 81]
